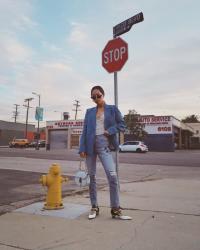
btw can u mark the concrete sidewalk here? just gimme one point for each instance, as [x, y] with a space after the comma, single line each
[166, 216]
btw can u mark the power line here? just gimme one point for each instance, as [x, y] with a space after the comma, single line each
[76, 109]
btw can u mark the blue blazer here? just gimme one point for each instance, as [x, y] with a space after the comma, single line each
[113, 123]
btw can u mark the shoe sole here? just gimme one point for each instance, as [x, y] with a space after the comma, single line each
[122, 217]
[92, 216]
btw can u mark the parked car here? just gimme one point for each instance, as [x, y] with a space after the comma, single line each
[133, 146]
[41, 144]
[19, 143]
[33, 144]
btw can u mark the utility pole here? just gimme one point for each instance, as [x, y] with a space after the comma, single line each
[16, 113]
[27, 106]
[77, 106]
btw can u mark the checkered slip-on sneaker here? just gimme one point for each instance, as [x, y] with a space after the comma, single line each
[117, 214]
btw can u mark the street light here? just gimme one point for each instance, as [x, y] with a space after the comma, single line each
[38, 128]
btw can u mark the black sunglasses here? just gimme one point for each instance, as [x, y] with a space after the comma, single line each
[94, 97]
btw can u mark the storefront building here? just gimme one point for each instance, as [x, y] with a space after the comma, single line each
[195, 139]
[164, 133]
[63, 134]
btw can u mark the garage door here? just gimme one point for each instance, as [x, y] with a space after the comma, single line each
[58, 139]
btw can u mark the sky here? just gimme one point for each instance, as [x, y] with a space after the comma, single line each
[54, 48]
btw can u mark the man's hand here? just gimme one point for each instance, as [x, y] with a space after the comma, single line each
[83, 155]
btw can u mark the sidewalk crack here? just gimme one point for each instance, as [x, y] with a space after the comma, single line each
[16, 247]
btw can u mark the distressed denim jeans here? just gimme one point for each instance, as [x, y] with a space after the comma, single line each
[103, 152]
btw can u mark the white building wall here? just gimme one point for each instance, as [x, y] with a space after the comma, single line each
[196, 128]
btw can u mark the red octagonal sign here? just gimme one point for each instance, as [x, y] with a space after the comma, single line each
[114, 55]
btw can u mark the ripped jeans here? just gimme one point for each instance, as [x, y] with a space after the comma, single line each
[106, 158]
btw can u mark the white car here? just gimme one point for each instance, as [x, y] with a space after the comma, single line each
[133, 146]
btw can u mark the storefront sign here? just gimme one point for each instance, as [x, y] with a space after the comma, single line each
[156, 124]
[158, 129]
[77, 131]
[65, 124]
[154, 119]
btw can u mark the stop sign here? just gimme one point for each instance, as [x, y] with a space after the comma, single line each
[114, 55]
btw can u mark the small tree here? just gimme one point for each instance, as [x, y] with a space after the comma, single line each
[190, 119]
[134, 127]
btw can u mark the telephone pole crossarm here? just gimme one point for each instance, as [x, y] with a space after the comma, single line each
[16, 113]
[76, 109]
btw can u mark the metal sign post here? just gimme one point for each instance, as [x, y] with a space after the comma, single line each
[120, 29]
[38, 117]
[116, 104]
[114, 56]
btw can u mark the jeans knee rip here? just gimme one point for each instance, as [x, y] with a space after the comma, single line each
[113, 173]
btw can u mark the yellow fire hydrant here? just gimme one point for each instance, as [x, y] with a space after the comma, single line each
[53, 180]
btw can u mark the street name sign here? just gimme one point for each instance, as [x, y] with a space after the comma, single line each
[126, 25]
[115, 55]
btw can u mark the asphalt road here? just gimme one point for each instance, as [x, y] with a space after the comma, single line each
[188, 158]
[11, 182]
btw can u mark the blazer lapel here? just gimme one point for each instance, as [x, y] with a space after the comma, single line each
[93, 120]
[106, 115]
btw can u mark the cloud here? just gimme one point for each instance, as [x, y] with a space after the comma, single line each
[25, 23]
[57, 83]
[166, 82]
[54, 97]
[51, 47]
[15, 18]
[13, 51]
[160, 78]
[79, 36]
[16, 15]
